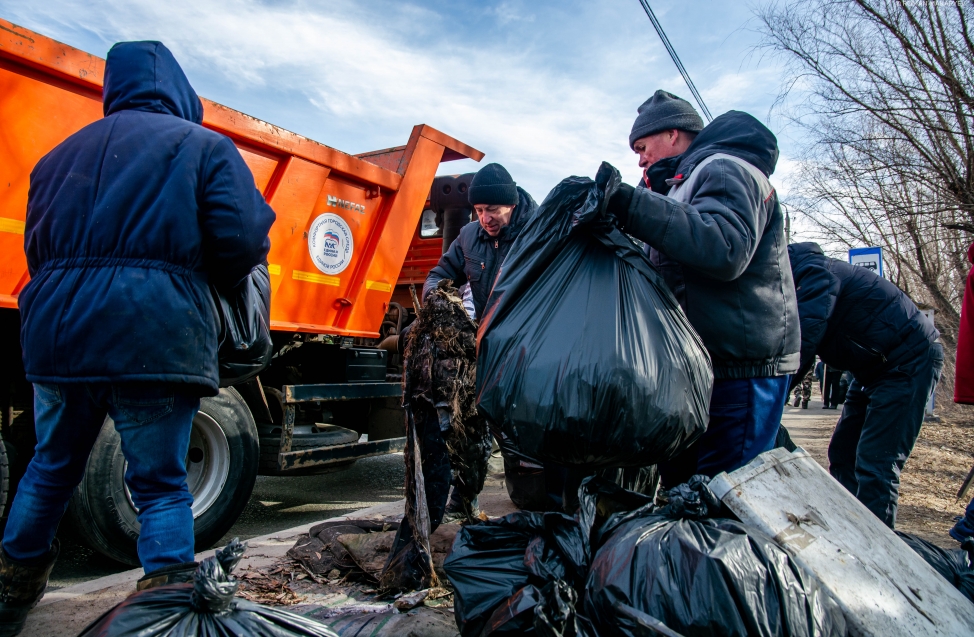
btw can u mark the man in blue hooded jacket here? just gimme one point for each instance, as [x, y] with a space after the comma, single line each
[715, 231]
[129, 220]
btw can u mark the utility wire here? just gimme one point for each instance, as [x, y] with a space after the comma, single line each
[676, 58]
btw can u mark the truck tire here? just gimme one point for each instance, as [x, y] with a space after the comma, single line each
[305, 437]
[222, 469]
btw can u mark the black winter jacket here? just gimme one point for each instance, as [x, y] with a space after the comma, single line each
[128, 221]
[475, 257]
[853, 318]
[718, 240]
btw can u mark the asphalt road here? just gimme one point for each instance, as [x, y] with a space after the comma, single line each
[276, 504]
[282, 503]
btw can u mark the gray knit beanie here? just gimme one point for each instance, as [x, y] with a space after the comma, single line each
[493, 185]
[664, 111]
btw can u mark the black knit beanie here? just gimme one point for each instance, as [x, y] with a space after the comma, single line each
[664, 111]
[493, 185]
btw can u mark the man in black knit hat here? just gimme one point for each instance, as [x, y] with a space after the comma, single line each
[475, 257]
[715, 232]
[477, 253]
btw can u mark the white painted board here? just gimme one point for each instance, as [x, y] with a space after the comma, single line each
[884, 588]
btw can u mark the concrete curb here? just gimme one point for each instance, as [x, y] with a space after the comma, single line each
[69, 610]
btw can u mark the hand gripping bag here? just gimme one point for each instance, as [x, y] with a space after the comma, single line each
[584, 356]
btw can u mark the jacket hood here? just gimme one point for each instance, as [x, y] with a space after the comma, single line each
[799, 251]
[733, 133]
[144, 76]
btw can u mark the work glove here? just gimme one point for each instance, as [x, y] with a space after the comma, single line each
[619, 204]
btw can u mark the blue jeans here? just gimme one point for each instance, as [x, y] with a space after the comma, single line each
[153, 422]
[745, 414]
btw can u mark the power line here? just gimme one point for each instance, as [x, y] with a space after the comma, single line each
[676, 59]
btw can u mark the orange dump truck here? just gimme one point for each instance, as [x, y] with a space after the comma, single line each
[330, 397]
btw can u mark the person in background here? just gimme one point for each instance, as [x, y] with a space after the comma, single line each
[963, 530]
[715, 232]
[803, 391]
[844, 382]
[855, 320]
[830, 391]
[129, 221]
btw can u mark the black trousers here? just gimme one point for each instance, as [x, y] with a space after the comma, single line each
[878, 428]
[830, 392]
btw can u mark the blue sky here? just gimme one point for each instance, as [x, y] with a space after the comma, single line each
[547, 88]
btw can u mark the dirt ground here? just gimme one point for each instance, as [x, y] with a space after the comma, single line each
[941, 459]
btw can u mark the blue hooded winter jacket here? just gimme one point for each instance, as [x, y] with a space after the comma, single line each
[128, 221]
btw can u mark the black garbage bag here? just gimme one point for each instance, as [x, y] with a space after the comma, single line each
[699, 576]
[504, 570]
[783, 439]
[447, 441]
[245, 327]
[523, 573]
[585, 358]
[205, 608]
[954, 566]
[531, 488]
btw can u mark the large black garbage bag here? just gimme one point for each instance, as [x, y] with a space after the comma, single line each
[245, 327]
[446, 439]
[205, 608]
[954, 566]
[585, 358]
[699, 576]
[505, 574]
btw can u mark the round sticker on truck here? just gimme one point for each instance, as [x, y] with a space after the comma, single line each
[330, 243]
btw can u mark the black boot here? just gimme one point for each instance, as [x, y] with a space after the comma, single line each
[172, 574]
[21, 587]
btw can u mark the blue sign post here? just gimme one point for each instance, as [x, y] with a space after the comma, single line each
[870, 258]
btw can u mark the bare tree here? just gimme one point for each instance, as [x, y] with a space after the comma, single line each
[887, 92]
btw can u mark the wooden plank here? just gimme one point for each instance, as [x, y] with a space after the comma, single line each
[882, 585]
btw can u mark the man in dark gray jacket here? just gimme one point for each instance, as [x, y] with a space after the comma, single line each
[715, 231]
[476, 255]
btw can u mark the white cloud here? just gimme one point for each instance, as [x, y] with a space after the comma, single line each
[508, 12]
[547, 99]
[371, 75]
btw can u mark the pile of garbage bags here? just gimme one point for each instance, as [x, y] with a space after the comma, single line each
[623, 566]
[584, 356]
[205, 608]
